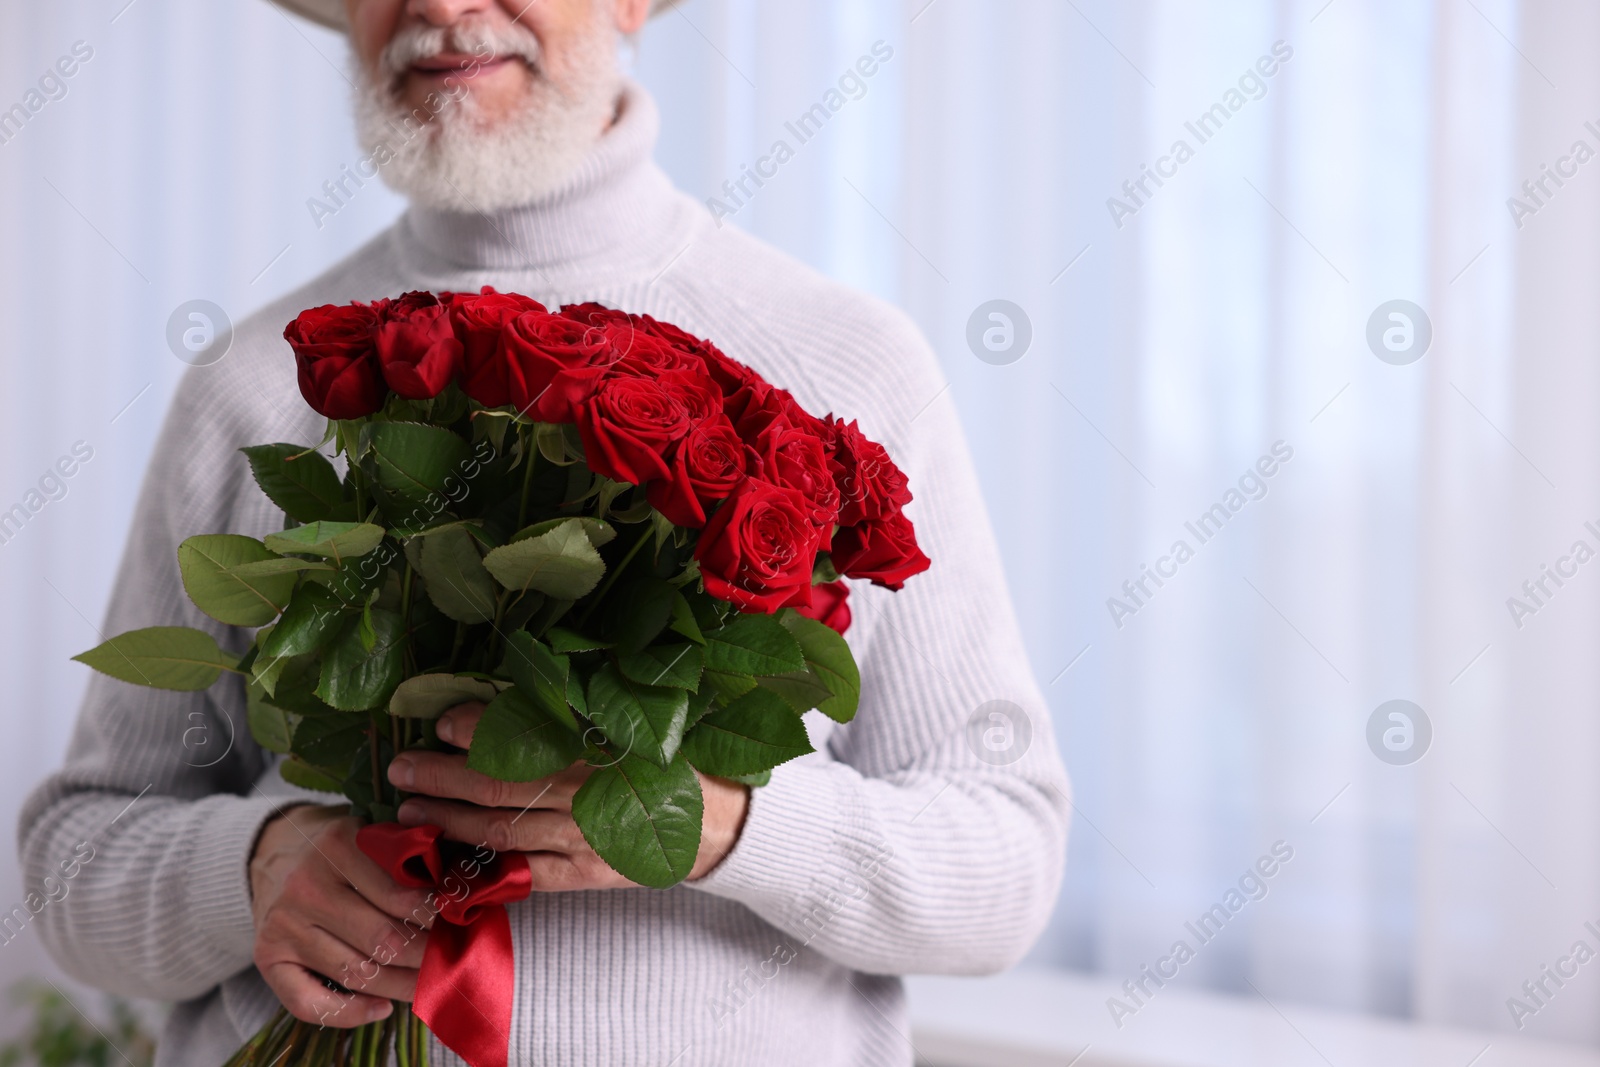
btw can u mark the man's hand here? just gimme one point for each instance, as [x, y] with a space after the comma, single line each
[536, 817]
[322, 908]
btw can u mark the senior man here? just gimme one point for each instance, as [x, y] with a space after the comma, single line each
[926, 836]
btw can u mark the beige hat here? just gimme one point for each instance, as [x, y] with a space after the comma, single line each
[331, 12]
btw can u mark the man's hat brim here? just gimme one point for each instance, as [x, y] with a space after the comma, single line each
[330, 13]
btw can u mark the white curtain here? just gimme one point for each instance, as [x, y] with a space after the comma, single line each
[1169, 355]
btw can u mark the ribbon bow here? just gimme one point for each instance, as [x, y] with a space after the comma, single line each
[467, 982]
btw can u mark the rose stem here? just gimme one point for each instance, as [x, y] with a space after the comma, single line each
[530, 459]
[611, 579]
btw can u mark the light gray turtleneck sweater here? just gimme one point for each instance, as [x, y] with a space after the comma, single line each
[906, 844]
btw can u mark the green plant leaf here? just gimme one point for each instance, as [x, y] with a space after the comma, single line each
[801, 690]
[830, 662]
[312, 618]
[300, 773]
[753, 644]
[162, 657]
[270, 725]
[541, 675]
[454, 575]
[754, 781]
[330, 740]
[238, 601]
[642, 820]
[428, 696]
[683, 620]
[599, 532]
[646, 720]
[306, 488]
[675, 666]
[274, 568]
[755, 733]
[412, 461]
[354, 677]
[568, 641]
[337, 541]
[642, 610]
[296, 686]
[561, 563]
[517, 742]
[727, 687]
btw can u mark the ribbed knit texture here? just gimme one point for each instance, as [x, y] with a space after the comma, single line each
[892, 850]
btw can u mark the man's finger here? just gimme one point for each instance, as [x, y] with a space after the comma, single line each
[436, 774]
[457, 725]
[502, 829]
[310, 1000]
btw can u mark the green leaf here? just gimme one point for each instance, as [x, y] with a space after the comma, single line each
[675, 666]
[801, 690]
[754, 781]
[428, 696]
[753, 644]
[642, 610]
[454, 575]
[355, 678]
[541, 675]
[727, 687]
[337, 541]
[296, 687]
[306, 488]
[414, 462]
[643, 821]
[300, 773]
[330, 740]
[561, 563]
[575, 697]
[274, 568]
[229, 598]
[683, 620]
[830, 662]
[309, 622]
[162, 657]
[599, 532]
[517, 742]
[270, 725]
[644, 719]
[753, 734]
[568, 641]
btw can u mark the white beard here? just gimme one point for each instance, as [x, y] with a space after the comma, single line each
[458, 160]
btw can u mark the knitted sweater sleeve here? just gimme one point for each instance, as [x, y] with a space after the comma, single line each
[156, 784]
[928, 836]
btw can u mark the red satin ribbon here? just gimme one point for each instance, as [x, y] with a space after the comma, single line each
[468, 978]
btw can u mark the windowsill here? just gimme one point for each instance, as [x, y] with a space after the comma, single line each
[1044, 1019]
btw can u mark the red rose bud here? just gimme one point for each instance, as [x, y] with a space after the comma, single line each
[707, 467]
[759, 549]
[882, 550]
[870, 485]
[417, 346]
[829, 606]
[553, 364]
[628, 428]
[335, 352]
[478, 321]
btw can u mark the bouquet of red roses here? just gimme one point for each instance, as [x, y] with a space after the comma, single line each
[626, 544]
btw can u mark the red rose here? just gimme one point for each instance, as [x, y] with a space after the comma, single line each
[651, 355]
[759, 549]
[829, 606]
[417, 346]
[629, 427]
[768, 405]
[707, 466]
[335, 352]
[553, 364]
[870, 485]
[597, 315]
[478, 321]
[883, 550]
[794, 457]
